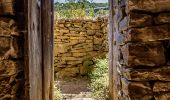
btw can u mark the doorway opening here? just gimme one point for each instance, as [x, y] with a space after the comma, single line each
[80, 49]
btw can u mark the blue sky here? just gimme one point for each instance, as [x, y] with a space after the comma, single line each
[98, 1]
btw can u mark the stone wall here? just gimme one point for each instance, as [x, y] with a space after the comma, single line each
[142, 50]
[11, 50]
[77, 43]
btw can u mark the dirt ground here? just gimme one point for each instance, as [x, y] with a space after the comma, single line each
[74, 88]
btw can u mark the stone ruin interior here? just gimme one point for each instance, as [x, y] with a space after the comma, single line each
[141, 49]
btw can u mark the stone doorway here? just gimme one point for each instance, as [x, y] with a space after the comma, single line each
[78, 42]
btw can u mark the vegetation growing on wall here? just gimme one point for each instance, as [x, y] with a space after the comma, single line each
[80, 9]
[57, 93]
[99, 80]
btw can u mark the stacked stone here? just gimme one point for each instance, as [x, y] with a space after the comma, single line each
[77, 42]
[11, 64]
[142, 37]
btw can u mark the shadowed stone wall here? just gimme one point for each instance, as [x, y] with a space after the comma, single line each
[77, 43]
[142, 49]
[11, 50]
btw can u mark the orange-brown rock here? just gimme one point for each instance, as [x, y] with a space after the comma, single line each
[152, 74]
[146, 34]
[143, 55]
[137, 90]
[148, 5]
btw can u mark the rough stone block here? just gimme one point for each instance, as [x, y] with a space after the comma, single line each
[62, 48]
[95, 26]
[148, 5]
[69, 72]
[74, 62]
[10, 81]
[98, 40]
[135, 20]
[69, 58]
[146, 34]
[91, 32]
[162, 18]
[7, 7]
[79, 54]
[162, 96]
[161, 87]
[146, 55]
[88, 63]
[10, 48]
[137, 90]
[153, 74]
[64, 31]
[8, 27]
[77, 25]
[61, 25]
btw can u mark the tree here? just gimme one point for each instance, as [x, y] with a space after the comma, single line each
[76, 8]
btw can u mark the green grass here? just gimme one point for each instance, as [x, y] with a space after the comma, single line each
[99, 80]
[57, 94]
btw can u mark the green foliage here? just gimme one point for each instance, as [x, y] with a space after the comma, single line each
[57, 94]
[99, 80]
[77, 9]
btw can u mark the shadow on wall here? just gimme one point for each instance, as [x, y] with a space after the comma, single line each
[77, 43]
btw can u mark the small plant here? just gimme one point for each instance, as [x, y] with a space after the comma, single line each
[99, 80]
[57, 94]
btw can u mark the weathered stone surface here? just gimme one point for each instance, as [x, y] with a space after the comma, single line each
[62, 48]
[69, 72]
[139, 20]
[84, 70]
[11, 49]
[7, 7]
[146, 34]
[162, 18]
[78, 25]
[162, 96]
[77, 40]
[95, 26]
[8, 27]
[141, 50]
[5, 48]
[153, 74]
[98, 40]
[161, 87]
[149, 5]
[146, 55]
[74, 62]
[10, 81]
[137, 90]
[9, 68]
[135, 20]
[64, 31]
[88, 63]
[91, 32]
[79, 54]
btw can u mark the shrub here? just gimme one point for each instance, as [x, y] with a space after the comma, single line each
[57, 94]
[99, 80]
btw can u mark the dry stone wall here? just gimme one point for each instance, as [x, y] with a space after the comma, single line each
[142, 50]
[11, 50]
[77, 43]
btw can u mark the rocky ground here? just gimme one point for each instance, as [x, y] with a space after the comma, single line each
[74, 88]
